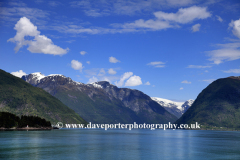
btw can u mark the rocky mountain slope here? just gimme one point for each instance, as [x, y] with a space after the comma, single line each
[175, 108]
[217, 105]
[102, 102]
[21, 98]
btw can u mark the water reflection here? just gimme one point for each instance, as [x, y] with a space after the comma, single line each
[119, 144]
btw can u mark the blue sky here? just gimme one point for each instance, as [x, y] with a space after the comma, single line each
[164, 48]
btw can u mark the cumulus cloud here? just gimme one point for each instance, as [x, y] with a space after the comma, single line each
[113, 60]
[219, 18]
[147, 83]
[83, 52]
[235, 25]
[76, 65]
[19, 73]
[111, 71]
[92, 80]
[181, 88]
[232, 71]
[186, 82]
[198, 66]
[196, 27]
[39, 44]
[88, 62]
[133, 81]
[125, 76]
[157, 64]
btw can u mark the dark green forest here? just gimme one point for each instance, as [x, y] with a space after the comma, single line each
[9, 120]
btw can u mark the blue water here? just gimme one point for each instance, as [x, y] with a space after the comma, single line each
[119, 144]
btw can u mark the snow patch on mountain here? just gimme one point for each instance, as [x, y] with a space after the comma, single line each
[38, 76]
[94, 84]
[176, 108]
[168, 103]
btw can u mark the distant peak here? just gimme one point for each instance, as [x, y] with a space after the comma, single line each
[235, 77]
[38, 75]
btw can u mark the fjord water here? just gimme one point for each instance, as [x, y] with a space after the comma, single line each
[119, 144]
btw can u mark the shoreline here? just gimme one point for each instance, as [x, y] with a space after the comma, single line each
[26, 129]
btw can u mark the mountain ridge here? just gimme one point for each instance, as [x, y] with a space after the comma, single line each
[102, 101]
[218, 105]
[176, 108]
[21, 98]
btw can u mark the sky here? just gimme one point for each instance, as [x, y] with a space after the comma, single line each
[165, 48]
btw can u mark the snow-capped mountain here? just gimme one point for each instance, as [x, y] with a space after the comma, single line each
[176, 108]
[33, 78]
[38, 78]
[102, 102]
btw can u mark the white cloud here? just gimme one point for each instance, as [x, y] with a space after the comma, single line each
[93, 79]
[235, 25]
[88, 62]
[147, 83]
[122, 7]
[181, 88]
[184, 15]
[133, 81]
[225, 54]
[149, 24]
[228, 51]
[219, 18]
[196, 27]
[161, 20]
[83, 52]
[113, 60]
[101, 72]
[232, 71]
[170, 20]
[157, 64]
[19, 73]
[186, 82]
[39, 44]
[111, 71]
[125, 76]
[198, 66]
[77, 65]
[10, 14]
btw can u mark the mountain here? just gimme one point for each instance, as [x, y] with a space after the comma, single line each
[218, 105]
[102, 102]
[21, 98]
[175, 108]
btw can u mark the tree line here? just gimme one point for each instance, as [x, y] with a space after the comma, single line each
[9, 120]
